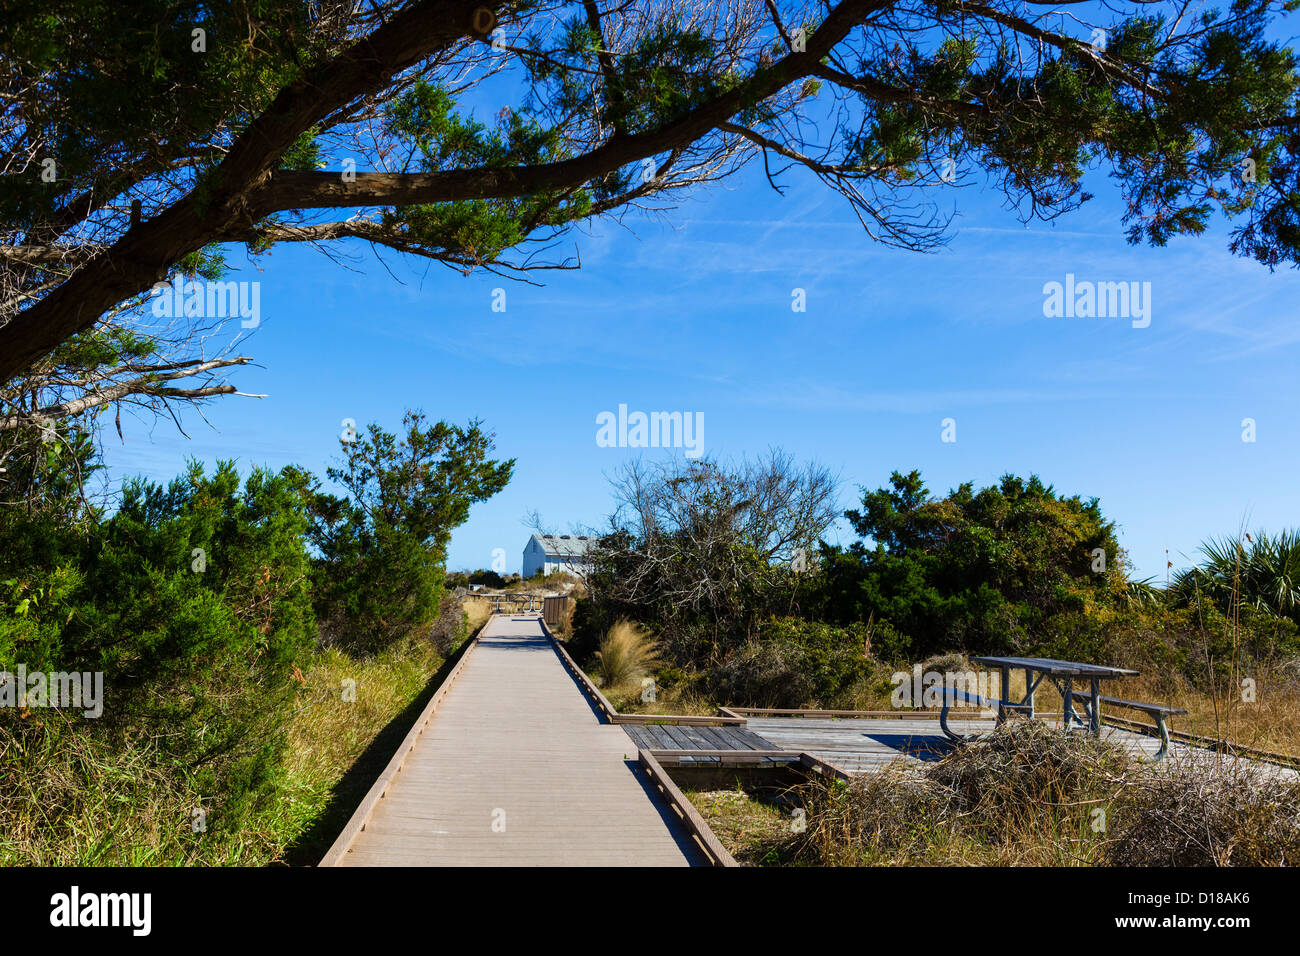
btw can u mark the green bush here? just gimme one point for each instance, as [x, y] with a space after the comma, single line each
[793, 663]
[487, 578]
[197, 602]
[1260, 571]
[192, 600]
[381, 571]
[981, 570]
[1196, 646]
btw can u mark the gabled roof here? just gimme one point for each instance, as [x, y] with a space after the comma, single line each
[565, 545]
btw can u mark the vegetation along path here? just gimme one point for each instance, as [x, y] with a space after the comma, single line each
[514, 767]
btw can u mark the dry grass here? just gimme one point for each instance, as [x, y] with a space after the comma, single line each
[756, 832]
[477, 611]
[1022, 797]
[69, 797]
[893, 817]
[555, 581]
[626, 654]
[679, 701]
[327, 736]
[1269, 722]
[1207, 812]
[1031, 795]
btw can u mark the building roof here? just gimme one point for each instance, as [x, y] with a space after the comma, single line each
[566, 545]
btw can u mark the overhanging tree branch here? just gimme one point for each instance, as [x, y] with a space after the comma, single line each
[251, 190]
[151, 383]
[1171, 106]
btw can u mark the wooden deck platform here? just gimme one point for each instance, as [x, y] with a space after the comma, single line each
[863, 744]
[669, 737]
[516, 768]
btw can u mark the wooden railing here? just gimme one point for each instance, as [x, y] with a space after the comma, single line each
[591, 690]
[746, 758]
[685, 811]
[1209, 743]
[804, 712]
[613, 715]
[513, 603]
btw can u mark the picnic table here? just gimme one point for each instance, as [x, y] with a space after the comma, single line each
[1062, 674]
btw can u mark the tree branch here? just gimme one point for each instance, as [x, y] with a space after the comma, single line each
[146, 384]
[249, 190]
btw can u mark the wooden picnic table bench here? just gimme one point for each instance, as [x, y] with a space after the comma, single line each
[1158, 713]
[952, 694]
[1062, 675]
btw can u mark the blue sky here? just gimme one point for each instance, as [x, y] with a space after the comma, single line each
[696, 316]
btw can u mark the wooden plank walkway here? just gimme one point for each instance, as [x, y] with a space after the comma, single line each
[863, 744]
[668, 737]
[515, 768]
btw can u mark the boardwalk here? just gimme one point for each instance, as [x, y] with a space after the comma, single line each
[863, 744]
[512, 764]
[515, 768]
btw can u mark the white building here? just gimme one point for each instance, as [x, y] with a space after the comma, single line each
[546, 553]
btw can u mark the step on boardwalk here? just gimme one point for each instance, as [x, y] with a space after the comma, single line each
[515, 768]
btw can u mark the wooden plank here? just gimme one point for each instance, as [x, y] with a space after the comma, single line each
[368, 803]
[688, 738]
[797, 712]
[514, 768]
[716, 738]
[691, 720]
[639, 736]
[1139, 705]
[1056, 668]
[659, 734]
[751, 739]
[744, 756]
[711, 738]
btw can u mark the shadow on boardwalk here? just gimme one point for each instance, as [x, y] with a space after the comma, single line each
[347, 794]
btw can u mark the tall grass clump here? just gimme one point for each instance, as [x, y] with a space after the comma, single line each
[893, 817]
[477, 612]
[1017, 777]
[1032, 795]
[627, 653]
[1022, 796]
[1207, 812]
